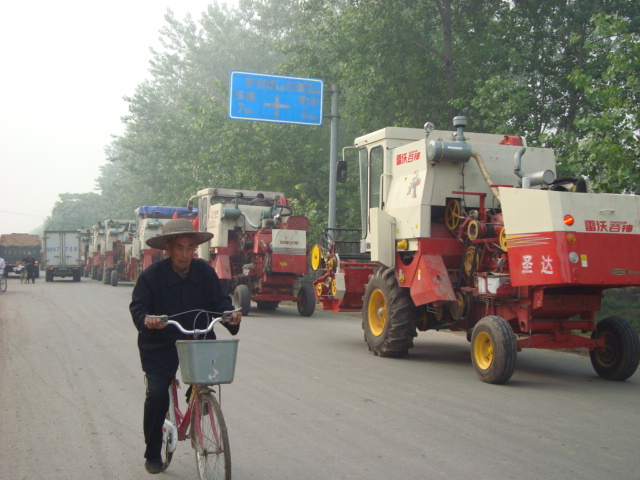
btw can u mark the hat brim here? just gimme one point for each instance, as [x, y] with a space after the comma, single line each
[160, 241]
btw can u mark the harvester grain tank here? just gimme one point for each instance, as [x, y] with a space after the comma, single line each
[258, 249]
[473, 232]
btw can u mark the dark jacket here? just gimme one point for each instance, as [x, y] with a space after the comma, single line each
[161, 291]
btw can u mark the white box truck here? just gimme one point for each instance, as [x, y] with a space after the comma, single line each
[63, 255]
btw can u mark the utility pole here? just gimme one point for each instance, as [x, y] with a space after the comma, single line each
[333, 155]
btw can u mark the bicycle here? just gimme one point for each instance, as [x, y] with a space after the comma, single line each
[203, 364]
[24, 273]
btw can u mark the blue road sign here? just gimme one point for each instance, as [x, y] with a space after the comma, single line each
[275, 98]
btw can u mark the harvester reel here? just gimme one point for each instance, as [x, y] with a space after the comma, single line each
[452, 214]
[461, 309]
[471, 260]
[503, 240]
[317, 259]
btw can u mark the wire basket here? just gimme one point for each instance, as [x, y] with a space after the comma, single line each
[207, 362]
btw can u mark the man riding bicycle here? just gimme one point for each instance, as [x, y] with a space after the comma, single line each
[177, 284]
[30, 263]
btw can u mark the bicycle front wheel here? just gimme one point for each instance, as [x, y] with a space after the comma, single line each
[210, 439]
[3, 283]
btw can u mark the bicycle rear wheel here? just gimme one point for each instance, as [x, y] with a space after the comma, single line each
[167, 440]
[3, 283]
[210, 439]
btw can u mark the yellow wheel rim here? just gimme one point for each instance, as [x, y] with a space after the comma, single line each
[483, 350]
[452, 214]
[469, 256]
[377, 312]
[334, 287]
[473, 230]
[503, 240]
[319, 289]
[316, 257]
[457, 308]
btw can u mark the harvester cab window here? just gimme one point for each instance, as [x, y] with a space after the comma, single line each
[375, 169]
[363, 165]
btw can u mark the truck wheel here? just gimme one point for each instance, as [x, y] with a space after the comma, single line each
[77, 275]
[106, 277]
[387, 316]
[94, 272]
[493, 350]
[48, 276]
[242, 299]
[306, 301]
[114, 278]
[266, 305]
[621, 354]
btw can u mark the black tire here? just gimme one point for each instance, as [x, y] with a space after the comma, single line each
[620, 358]
[493, 350]
[3, 283]
[106, 277]
[306, 301]
[267, 305]
[114, 278]
[48, 276]
[94, 272]
[388, 316]
[213, 456]
[242, 299]
[77, 275]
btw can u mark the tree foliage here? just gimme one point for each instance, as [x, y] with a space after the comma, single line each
[562, 73]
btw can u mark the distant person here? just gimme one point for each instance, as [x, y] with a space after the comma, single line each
[260, 201]
[30, 264]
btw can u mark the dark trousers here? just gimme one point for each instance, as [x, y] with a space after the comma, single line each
[156, 405]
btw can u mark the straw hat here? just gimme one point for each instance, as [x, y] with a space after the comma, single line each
[176, 228]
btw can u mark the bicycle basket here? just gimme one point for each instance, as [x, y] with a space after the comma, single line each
[207, 362]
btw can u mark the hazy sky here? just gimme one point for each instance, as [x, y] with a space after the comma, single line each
[65, 67]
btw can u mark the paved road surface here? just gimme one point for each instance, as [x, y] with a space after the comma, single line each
[308, 401]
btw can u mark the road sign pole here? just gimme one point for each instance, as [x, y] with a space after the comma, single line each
[333, 155]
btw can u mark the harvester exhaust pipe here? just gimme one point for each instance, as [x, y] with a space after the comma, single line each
[459, 151]
[533, 179]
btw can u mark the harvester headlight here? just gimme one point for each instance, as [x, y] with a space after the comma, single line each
[568, 220]
[574, 257]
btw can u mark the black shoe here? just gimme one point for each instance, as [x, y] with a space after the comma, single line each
[154, 465]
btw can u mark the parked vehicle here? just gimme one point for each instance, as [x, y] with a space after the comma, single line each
[258, 249]
[16, 246]
[63, 255]
[456, 234]
[137, 255]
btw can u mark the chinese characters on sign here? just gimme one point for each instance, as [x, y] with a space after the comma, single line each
[543, 265]
[403, 158]
[612, 226]
[275, 98]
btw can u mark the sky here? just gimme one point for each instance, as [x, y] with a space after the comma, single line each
[66, 66]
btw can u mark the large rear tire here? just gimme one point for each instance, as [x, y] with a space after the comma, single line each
[621, 355]
[493, 350]
[388, 316]
[242, 299]
[306, 301]
[114, 278]
[106, 277]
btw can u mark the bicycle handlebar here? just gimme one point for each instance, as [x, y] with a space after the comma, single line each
[164, 319]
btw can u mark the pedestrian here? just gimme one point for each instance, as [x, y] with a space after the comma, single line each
[30, 264]
[177, 284]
